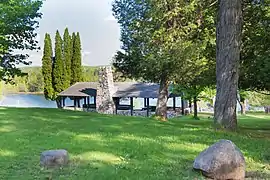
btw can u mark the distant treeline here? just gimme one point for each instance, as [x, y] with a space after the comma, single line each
[33, 81]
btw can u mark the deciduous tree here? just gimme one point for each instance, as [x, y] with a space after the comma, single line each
[18, 22]
[158, 41]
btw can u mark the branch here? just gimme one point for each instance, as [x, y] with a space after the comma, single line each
[213, 3]
[268, 94]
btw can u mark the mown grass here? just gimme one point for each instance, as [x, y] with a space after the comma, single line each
[115, 147]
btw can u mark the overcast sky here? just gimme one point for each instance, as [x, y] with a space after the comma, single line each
[91, 18]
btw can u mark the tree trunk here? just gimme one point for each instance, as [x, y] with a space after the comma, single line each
[227, 69]
[190, 105]
[195, 108]
[182, 106]
[161, 110]
[267, 109]
[243, 107]
[58, 102]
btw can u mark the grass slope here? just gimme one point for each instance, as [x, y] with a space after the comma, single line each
[114, 147]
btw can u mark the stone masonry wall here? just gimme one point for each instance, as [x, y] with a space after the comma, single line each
[105, 90]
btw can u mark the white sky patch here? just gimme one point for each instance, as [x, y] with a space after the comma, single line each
[110, 18]
[93, 19]
[86, 53]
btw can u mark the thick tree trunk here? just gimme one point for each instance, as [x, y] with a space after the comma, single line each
[228, 55]
[161, 110]
[195, 108]
[243, 107]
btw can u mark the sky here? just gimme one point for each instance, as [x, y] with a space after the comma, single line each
[94, 21]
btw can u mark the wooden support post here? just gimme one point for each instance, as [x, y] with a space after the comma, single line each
[88, 101]
[145, 102]
[75, 102]
[131, 106]
[79, 103]
[95, 101]
[64, 101]
[147, 106]
[116, 103]
[85, 101]
[174, 103]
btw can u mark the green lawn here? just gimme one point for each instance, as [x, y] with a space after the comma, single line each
[116, 148]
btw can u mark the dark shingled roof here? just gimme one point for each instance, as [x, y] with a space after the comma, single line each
[123, 90]
[80, 89]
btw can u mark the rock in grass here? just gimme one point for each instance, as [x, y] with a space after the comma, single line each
[223, 160]
[54, 158]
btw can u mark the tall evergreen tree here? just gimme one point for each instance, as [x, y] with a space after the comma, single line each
[47, 67]
[58, 65]
[67, 53]
[76, 59]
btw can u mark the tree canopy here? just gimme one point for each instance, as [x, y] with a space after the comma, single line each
[255, 54]
[18, 22]
[162, 41]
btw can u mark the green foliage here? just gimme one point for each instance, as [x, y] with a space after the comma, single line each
[47, 68]
[67, 52]
[90, 74]
[106, 147]
[255, 55]
[158, 42]
[18, 22]
[164, 42]
[34, 81]
[208, 94]
[258, 99]
[58, 65]
[76, 62]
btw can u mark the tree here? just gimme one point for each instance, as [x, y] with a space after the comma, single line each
[158, 42]
[242, 99]
[47, 68]
[193, 90]
[255, 54]
[18, 22]
[34, 81]
[58, 67]
[76, 64]
[228, 56]
[67, 53]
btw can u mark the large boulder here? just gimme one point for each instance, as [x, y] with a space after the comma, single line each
[54, 158]
[223, 161]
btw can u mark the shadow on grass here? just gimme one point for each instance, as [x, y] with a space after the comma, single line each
[113, 147]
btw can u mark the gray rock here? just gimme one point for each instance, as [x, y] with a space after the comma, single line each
[54, 158]
[223, 161]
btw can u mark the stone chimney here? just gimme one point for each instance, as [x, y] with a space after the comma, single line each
[105, 91]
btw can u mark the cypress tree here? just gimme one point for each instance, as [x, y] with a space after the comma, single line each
[67, 52]
[47, 68]
[76, 59]
[58, 65]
